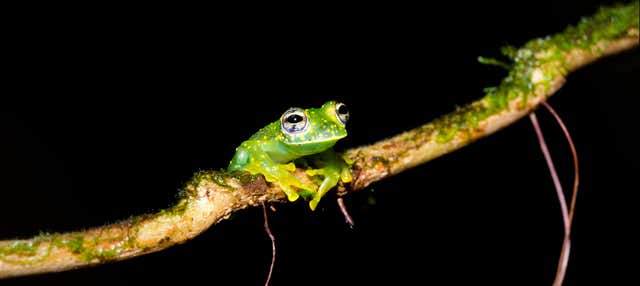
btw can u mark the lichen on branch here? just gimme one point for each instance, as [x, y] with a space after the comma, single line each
[536, 71]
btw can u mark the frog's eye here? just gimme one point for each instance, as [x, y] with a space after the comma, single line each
[294, 121]
[342, 112]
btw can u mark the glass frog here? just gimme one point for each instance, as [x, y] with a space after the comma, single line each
[305, 136]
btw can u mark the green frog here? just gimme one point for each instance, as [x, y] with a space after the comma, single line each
[301, 136]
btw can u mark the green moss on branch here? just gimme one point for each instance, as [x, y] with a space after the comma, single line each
[535, 72]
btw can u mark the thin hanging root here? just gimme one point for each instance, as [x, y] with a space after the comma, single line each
[567, 216]
[576, 176]
[566, 245]
[344, 211]
[273, 244]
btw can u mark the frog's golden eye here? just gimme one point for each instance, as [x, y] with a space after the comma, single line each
[294, 121]
[342, 112]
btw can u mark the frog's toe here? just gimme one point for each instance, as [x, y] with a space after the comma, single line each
[314, 203]
[289, 167]
[345, 175]
[315, 172]
[292, 195]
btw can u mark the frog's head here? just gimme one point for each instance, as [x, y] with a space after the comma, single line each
[313, 130]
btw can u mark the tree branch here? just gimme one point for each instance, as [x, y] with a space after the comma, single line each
[538, 70]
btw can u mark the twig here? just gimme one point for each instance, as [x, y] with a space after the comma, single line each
[566, 243]
[576, 176]
[552, 171]
[345, 213]
[273, 244]
[567, 216]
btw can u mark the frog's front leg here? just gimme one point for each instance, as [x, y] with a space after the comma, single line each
[333, 168]
[280, 174]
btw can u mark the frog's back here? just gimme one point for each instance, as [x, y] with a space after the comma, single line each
[266, 133]
[247, 148]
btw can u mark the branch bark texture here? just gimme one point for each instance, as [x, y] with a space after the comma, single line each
[537, 70]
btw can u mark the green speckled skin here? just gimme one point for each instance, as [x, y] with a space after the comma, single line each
[272, 150]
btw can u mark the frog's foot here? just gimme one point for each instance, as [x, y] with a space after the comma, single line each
[287, 182]
[281, 174]
[331, 178]
[334, 166]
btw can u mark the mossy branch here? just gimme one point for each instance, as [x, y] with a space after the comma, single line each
[537, 70]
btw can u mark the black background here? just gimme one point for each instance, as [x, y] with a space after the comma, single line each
[117, 110]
